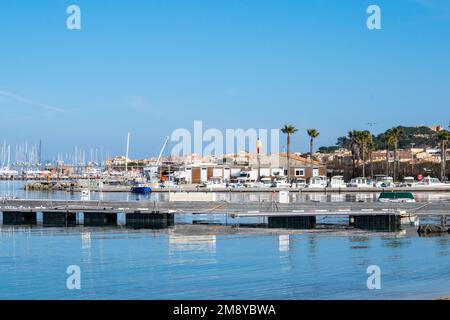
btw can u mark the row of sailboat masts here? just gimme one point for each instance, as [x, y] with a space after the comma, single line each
[158, 161]
[5, 155]
[25, 155]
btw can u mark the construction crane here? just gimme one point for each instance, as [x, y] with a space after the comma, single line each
[156, 168]
[166, 140]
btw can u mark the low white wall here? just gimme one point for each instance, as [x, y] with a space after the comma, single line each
[192, 196]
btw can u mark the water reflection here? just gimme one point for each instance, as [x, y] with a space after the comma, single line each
[284, 242]
[85, 240]
[15, 188]
[179, 242]
[201, 262]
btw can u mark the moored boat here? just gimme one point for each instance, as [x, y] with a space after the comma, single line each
[337, 182]
[141, 188]
[430, 182]
[396, 197]
[360, 182]
[318, 182]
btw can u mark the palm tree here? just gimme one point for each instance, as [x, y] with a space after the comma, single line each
[312, 133]
[342, 142]
[353, 145]
[395, 134]
[363, 139]
[386, 138]
[444, 137]
[371, 148]
[289, 130]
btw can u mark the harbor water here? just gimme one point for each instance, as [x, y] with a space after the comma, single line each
[209, 261]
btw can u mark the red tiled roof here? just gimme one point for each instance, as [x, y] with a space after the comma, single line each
[299, 158]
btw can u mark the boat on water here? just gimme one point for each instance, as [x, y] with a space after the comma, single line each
[383, 181]
[141, 188]
[299, 183]
[318, 182]
[266, 182]
[409, 219]
[337, 182]
[360, 182]
[431, 182]
[213, 183]
[85, 195]
[396, 197]
[408, 182]
[280, 182]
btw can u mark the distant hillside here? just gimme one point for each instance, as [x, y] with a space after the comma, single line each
[422, 137]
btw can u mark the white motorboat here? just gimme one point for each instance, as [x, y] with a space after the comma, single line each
[431, 182]
[337, 182]
[215, 182]
[318, 182]
[299, 183]
[408, 182]
[266, 182]
[280, 182]
[85, 195]
[384, 182]
[359, 182]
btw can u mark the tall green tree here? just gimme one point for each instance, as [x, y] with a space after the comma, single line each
[352, 144]
[394, 136]
[363, 139]
[312, 133]
[371, 147]
[444, 137]
[386, 138]
[289, 130]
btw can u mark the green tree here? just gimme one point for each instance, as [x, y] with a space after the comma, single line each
[352, 144]
[386, 140]
[312, 133]
[394, 135]
[371, 147]
[444, 137]
[362, 139]
[289, 130]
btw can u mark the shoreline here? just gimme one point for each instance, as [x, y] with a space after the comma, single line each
[264, 190]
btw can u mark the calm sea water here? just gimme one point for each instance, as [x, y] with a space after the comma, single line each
[213, 262]
[217, 262]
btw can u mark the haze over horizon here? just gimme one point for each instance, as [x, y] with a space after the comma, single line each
[150, 67]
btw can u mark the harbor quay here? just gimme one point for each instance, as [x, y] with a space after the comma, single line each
[100, 187]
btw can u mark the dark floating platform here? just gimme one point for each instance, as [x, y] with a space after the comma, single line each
[387, 222]
[19, 218]
[432, 229]
[292, 222]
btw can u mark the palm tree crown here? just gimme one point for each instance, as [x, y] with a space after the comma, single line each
[289, 130]
[312, 133]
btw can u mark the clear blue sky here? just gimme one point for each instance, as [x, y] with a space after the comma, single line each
[150, 67]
